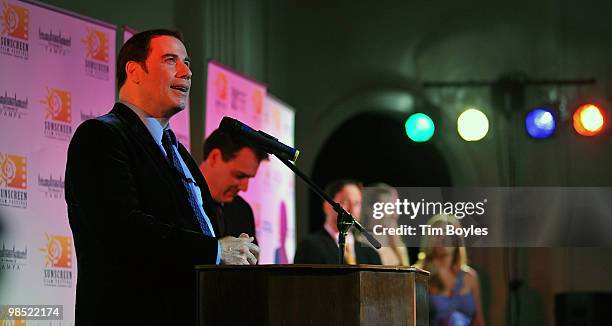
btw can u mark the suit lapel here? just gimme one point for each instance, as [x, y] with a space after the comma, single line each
[330, 247]
[135, 125]
[141, 135]
[211, 208]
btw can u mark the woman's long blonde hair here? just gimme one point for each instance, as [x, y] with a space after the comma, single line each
[430, 242]
[382, 192]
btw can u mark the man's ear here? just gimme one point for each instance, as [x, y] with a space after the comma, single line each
[327, 209]
[214, 157]
[134, 71]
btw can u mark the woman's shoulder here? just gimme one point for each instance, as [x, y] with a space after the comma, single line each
[470, 275]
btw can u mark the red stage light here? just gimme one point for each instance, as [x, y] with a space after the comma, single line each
[589, 120]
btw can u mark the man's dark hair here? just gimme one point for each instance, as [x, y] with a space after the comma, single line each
[336, 186]
[229, 144]
[137, 48]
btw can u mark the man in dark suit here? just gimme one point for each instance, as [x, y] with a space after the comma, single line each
[321, 247]
[230, 161]
[140, 211]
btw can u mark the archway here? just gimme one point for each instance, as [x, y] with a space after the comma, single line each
[373, 147]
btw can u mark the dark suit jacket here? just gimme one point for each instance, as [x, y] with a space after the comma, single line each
[237, 218]
[136, 237]
[321, 248]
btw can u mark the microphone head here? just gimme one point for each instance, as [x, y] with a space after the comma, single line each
[259, 138]
[232, 125]
[229, 124]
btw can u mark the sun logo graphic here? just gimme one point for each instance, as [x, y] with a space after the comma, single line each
[258, 101]
[13, 171]
[276, 117]
[15, 21]
[58, 251]
[58, 105]
[96, 45]
[221, 86]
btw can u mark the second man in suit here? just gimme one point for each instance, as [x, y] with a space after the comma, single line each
[230, 161]
[321, 247]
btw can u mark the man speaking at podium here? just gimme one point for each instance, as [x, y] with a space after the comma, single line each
[140, 211]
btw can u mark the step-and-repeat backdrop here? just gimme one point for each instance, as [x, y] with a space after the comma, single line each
[57, 70]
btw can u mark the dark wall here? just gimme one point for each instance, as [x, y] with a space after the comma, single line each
[140, 15]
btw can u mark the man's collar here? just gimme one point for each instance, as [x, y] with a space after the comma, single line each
[336, 234]
[153, 124]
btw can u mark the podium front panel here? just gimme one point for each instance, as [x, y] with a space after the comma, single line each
[312, 295]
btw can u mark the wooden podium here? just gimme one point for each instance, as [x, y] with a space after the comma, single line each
[312, 295]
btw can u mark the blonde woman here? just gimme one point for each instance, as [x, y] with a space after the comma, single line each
[393, 251]
[453, 286]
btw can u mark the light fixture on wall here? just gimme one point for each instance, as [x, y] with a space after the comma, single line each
[419, 127]
[540, 123]
[472, 125]
[589, 120]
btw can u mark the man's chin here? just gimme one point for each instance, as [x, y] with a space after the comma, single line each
[175, 109]
[229, 197]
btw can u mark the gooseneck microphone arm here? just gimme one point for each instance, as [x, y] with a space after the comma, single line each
[345, 220]
[287, 155]
[266, 142]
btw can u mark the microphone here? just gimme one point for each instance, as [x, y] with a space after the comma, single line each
[266, 142]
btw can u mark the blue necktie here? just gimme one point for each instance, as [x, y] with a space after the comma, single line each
[168, 141]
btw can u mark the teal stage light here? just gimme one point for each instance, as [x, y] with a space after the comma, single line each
[419, 127]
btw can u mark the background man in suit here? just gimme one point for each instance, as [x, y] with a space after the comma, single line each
[321, 247]
[139, 208]
[230, 161]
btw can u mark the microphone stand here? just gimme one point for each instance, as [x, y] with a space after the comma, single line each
[345, 220]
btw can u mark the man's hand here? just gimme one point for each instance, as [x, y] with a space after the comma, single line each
[239, 251]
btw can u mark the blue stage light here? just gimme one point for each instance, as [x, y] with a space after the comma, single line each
[540, 123]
